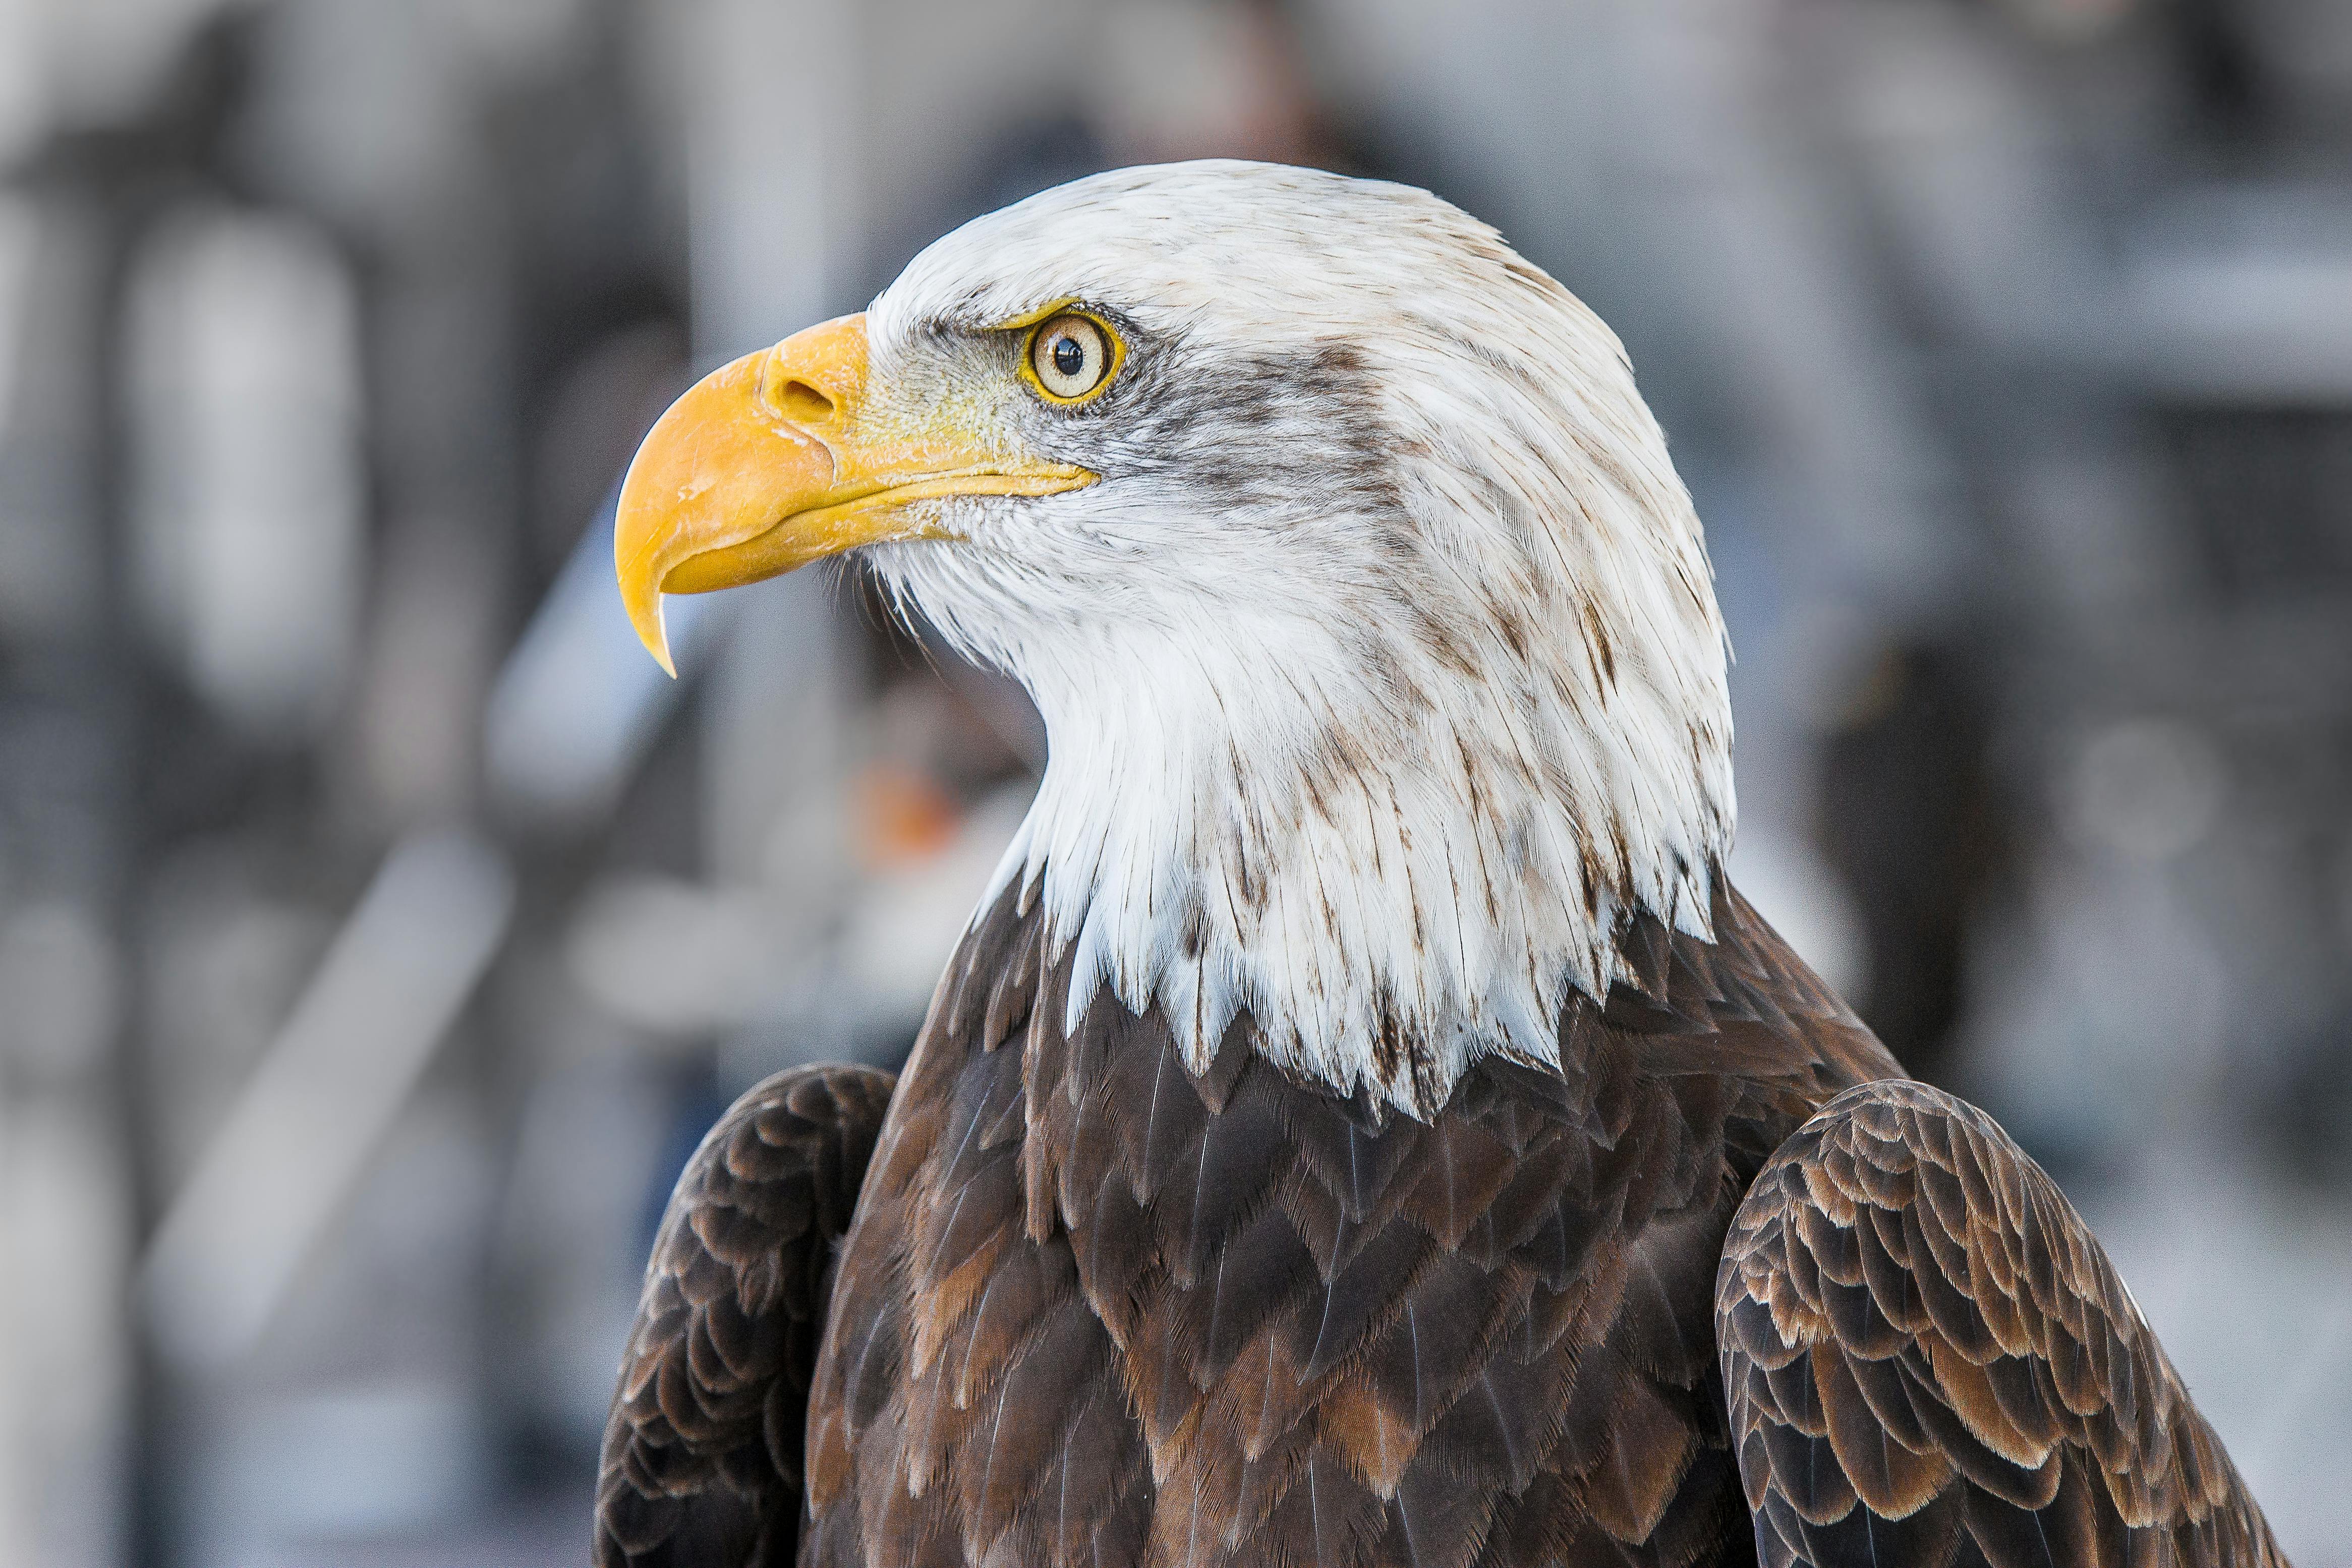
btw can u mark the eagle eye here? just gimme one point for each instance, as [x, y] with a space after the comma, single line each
[1071, 356]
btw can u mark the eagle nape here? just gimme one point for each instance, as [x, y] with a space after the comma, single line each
[1361, 1125]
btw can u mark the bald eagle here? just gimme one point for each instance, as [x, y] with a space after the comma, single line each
[1360, 1125]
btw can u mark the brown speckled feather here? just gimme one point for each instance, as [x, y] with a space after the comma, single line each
[1930, 1362]
[702, 1452]
[1097, 1311]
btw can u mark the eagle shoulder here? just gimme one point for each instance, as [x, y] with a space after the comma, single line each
[701, 1461]
[1926, 1350]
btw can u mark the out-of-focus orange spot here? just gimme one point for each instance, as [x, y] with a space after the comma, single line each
[904, 816]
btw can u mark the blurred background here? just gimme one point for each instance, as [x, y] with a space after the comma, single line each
[379, 930]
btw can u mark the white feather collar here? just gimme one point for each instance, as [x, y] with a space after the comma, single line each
[1382, 672]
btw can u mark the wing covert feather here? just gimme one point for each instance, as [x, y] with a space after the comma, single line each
[701, 1465]
[1929, 1360]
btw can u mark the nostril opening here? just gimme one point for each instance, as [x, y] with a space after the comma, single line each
[802, 403]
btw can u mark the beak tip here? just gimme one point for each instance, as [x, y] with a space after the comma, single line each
[646, 618]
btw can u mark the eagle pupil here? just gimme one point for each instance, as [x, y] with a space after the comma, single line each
[1069, 356]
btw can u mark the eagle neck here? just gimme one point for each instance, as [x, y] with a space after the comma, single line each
[1374, 871]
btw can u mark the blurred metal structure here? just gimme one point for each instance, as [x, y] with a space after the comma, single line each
[2003, 342]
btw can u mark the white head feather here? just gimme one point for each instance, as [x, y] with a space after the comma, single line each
[1382, 670]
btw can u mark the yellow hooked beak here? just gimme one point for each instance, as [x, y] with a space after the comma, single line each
[771, 462]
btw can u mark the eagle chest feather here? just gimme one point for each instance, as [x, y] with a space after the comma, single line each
[1097, 1309]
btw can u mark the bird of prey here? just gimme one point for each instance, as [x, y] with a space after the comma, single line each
[1361, 1126]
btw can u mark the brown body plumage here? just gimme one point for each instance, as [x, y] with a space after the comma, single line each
[1095, 1311]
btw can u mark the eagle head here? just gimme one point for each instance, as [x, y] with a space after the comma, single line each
[1372, 629]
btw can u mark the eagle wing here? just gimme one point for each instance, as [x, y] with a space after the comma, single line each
[1926, 1352]
[701, 1461]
